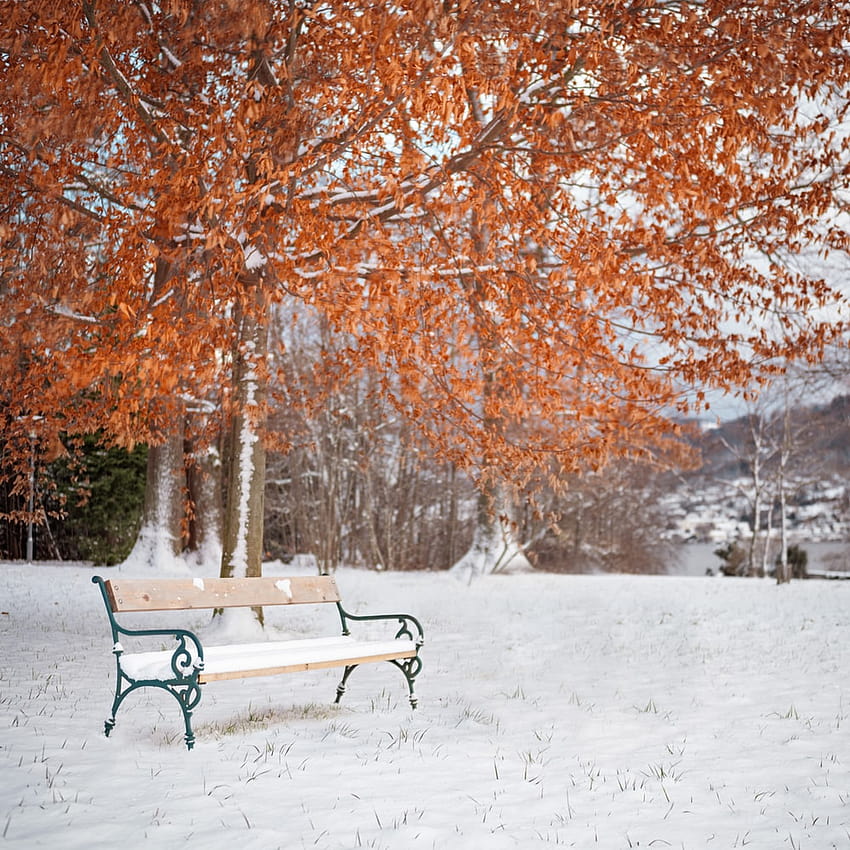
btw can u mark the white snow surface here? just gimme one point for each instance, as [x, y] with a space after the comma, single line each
[576, 711]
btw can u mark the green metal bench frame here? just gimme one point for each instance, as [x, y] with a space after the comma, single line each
[187, 659]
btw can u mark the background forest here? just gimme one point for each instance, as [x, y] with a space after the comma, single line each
[360, 489]
[366, 496]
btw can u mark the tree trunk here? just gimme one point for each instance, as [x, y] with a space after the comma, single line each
[750, 563]
[203, 479]
[452, 546]
[783, 569]
[160, 539]
[242, 551]
[494, 547]
[765, 551]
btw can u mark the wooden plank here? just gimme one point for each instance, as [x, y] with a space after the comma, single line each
[300, 667]
[172, 594]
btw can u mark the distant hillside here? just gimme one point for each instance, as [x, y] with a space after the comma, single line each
[713, 503]
[820, 441]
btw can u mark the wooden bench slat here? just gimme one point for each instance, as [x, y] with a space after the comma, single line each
[178, 594]
[301, 666]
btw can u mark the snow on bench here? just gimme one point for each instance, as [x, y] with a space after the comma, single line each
[265, 659]
[182, 670]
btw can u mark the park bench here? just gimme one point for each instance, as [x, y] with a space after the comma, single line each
[182, 670]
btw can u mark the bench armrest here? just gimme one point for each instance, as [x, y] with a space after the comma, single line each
[187, 656]
[411, 628]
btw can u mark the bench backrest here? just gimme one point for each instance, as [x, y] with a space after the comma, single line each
[173, 594]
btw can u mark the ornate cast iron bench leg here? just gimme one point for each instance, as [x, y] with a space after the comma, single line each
[340, 690]
[187, 694]
[410, 667]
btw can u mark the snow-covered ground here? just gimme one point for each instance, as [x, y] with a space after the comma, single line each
[578, 711]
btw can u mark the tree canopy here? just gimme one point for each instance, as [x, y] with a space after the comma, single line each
[537, 223]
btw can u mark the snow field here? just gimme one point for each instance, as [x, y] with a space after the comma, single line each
[575, 711]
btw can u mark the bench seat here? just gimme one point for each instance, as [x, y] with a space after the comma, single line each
[238, 661]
